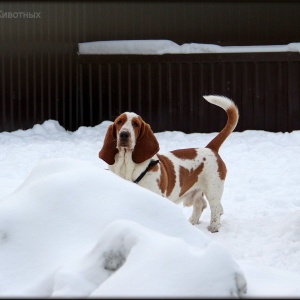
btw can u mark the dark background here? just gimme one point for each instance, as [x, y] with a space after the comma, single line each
[40, 71]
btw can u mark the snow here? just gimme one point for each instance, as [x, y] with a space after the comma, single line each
[71, 228]
[129, 47]
[167, 46]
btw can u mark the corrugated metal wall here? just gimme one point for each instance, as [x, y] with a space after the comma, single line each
[38, 54]
[167, 90]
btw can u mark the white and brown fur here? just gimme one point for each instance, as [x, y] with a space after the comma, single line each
[189, 175]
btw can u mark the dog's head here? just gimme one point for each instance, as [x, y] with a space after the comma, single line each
[129, 133]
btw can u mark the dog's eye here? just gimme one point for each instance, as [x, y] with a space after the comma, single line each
[135, 124]
[119, 122]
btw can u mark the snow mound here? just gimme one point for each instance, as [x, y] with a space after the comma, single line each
[134, 259]
[74, 229]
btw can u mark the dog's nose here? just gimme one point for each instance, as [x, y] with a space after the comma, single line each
[124, 135]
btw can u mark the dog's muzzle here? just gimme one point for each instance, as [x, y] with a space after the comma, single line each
[124, 139]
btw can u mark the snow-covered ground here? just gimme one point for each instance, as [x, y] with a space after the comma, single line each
[69, 227]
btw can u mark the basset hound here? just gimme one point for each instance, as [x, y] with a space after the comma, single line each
[190, 175]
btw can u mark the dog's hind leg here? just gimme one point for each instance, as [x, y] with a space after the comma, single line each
[198, 207]
[214, 195]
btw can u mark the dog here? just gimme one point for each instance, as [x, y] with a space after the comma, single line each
[190, 176]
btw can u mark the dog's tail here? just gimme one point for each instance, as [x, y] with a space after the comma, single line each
[232, 119]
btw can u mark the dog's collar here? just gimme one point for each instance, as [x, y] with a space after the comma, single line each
[151, 164]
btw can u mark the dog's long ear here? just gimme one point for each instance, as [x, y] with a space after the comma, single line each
[146, 144]
[109, 150]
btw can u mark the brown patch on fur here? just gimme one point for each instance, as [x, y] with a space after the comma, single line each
[167, 178]
[163, 180]
[119, 121]
[222, 170]
[189, 153]
[188, 177]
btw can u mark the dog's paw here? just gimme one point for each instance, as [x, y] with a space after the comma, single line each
[213, 229]
[194, 221]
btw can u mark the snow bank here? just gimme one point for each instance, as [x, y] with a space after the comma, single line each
[74, 229]
[167, 46]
